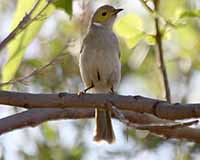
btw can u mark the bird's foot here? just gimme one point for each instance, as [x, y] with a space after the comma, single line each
[62, 94]
[85, 90]
[80, 93]
[112, 92]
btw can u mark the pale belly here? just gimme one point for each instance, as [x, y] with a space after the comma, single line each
[103, 70]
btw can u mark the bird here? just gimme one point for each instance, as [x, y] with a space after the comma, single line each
[100, 65]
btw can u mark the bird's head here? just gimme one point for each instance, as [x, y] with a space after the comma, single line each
[105, 15]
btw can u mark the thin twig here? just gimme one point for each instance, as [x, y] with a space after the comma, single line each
[160, 54]
[172, 125]
[24, 23]
[168, 125]
[156, 14]
[36, 71]
[158, 37]
[144, 3]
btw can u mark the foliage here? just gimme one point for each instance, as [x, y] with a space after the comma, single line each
[46, 36]
[17, 47]
[64, 4]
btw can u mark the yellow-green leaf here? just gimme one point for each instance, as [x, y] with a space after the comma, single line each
[130, 27]
[191, 13]
[17, 47]
[66, 5]
[187, 37]
[150, 39]
[49, 132]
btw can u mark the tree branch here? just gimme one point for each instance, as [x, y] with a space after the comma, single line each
[24, 23]
[155, 14]
[144, 3]
[159, 108]
[35, 117]
[160, 53]
[36, 71]
[180, 133]
[167, 125]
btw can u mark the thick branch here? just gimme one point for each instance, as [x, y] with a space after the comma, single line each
[35, 117]
[159, 108]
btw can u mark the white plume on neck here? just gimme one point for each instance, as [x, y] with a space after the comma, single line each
[108, 24]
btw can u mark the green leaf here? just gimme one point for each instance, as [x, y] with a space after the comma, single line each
[187, 37]
[130, 27]
[18, 46]
[49, 132]
[66, 5]
[171, 9]
[34, 62]
[150, 39]
[192, 13]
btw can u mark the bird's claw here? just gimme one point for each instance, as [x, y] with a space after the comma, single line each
[62, 94]
[80, 93]
[112, 93]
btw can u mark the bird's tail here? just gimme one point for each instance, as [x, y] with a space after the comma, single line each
[104, 130]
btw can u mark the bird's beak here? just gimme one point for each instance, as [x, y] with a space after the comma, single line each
[116, 11]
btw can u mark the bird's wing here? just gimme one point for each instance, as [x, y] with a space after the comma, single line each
[85, 41]
[119, 53]
[82, 46]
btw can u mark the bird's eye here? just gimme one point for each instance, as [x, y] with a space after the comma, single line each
[104, 14]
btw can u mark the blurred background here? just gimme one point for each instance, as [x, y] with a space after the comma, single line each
[72, 139]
